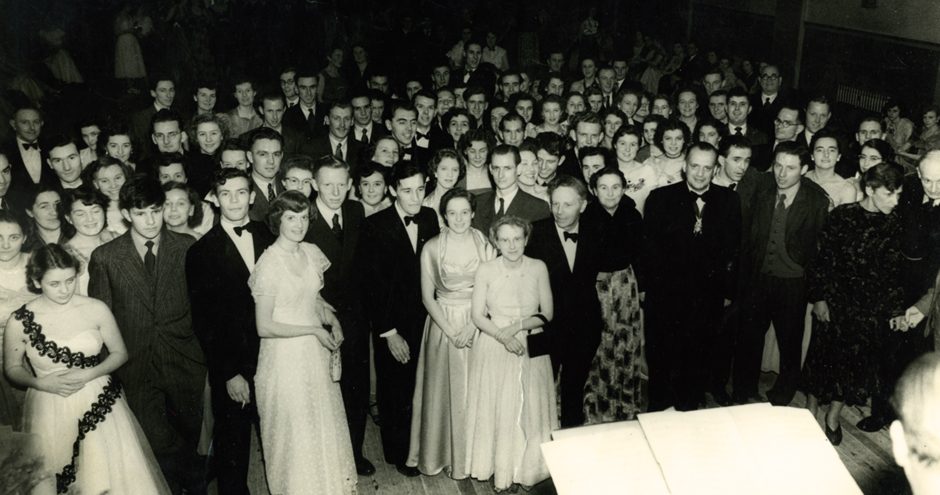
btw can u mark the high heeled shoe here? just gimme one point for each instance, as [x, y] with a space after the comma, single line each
[834, 436]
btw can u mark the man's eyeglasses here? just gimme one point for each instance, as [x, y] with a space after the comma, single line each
[770, 76]
[784, 123]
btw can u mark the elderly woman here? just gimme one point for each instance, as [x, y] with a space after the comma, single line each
[449, 264]
[855, 285]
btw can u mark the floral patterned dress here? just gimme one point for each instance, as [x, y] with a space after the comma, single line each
[857, 273]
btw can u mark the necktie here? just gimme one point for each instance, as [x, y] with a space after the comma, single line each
[150, 260]
[409, 219]
[698, 203]
[338, 152]
[570, 236]
[309, 114]
[502, 208]
[27, 146]
[781, 202]
[243, 228]
[338, 229]
[363, 137]
[733, 186]
[767, 101]
[271, 194]
[737, 131]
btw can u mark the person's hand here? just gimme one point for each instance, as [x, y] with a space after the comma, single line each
[727, 302]
[62, 383]
[337, 332]
[913, 316]
[513, 345]
[238, 390]
[899, 324]
[821, 310]
[399, 348]
[465, 336]
[326, 339]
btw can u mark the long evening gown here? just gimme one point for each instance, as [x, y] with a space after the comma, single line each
[511, 399]
[304, 434]
[90, 440]
[438, 421]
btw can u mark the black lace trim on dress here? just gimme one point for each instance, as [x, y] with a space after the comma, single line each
[88, 423]
[49, 348]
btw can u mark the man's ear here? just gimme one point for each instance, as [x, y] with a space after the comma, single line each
[388, 124]
[721, 161]
[804, 169]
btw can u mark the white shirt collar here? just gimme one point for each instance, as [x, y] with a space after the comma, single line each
[326, 212]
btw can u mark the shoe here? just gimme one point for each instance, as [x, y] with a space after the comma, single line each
[777, 399]
[364, 467]
[834, 436]
[407, 470]
[722, 398]
[872, 424]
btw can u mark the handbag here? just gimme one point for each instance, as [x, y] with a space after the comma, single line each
[336, 365]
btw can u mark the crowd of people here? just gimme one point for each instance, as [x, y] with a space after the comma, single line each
[511, 252]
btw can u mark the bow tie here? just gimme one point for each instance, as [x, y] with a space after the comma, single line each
[244, 228]
[410, 219]
[570, 236]
[27, 146]
[696, 196]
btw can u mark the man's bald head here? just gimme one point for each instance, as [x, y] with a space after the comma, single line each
[929, 171]
[915, 435]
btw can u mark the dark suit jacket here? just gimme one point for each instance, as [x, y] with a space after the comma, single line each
[259, 209]
[222, 306]
[524, 205]
[152, 313]
[342, 280]
[140, 125]
[805, 219]
[20, 181]
[577, 316]
[678, 263]
[761, 148]
[294, 119]
[378, 131]
[394, 274]
[321, 146]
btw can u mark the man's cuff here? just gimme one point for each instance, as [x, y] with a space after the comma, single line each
[388, 333]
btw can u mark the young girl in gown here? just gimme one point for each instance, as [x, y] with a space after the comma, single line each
[89, 439]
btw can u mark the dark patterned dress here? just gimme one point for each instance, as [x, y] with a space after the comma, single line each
[614, 388]
[858, 274]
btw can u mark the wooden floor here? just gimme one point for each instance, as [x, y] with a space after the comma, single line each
[867, 456]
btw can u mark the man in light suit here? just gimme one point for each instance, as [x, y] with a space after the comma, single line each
[141, 277]
[392, 244]
[335, 227]
[507, 198]
[571, 251]
[265, 152]
[217, 270]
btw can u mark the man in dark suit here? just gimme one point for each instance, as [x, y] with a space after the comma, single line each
[264, 154]
[571, 251]
[305, 117]
[10, 200]
[271, 109]
[769, 99]
[141, 277]
[739, 108]
[392, 244]
[402, 122]
[335, 227]
[163, 93]
[507, 199]
[217, 270]
[693, 231]
[587, 132]
[27, 162]
[364, 129]
[779, 246]
[336, 142]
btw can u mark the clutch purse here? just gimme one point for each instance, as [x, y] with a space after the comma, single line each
[538, 344]
[336, 366]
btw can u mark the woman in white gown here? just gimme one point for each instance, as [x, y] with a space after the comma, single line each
[88, 437]
[304, 434]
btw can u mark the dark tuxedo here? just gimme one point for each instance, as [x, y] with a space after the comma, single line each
[523, 205]
[394, 301]
[576, 327]
[342, 288]
[294, 119]
[352, 149]
[686, 276]
[570, 165]
[164, 377]
[20, 180]
[770, 298]
[224, 321]
[259, 209]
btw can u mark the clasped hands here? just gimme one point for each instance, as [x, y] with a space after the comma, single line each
[64, 382]
[507, 336]
[463, 337]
